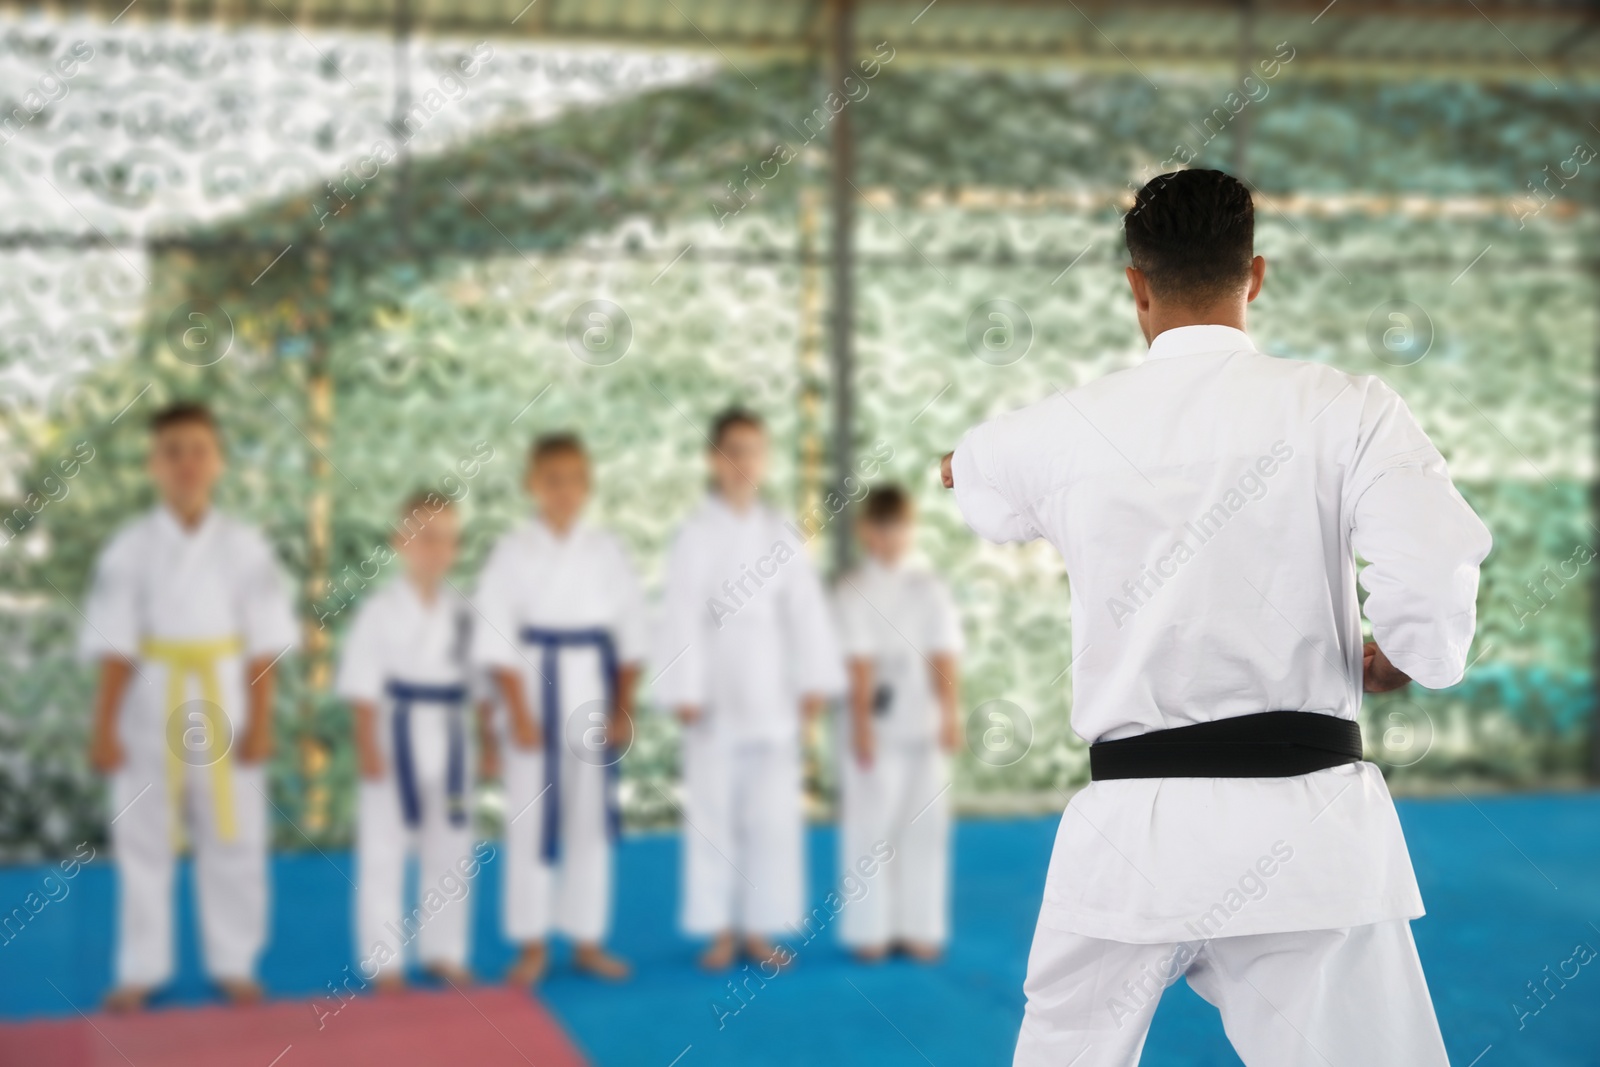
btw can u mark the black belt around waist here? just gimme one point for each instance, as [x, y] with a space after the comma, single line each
[1270, 744]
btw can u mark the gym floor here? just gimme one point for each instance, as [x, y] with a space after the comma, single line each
[1512, 885]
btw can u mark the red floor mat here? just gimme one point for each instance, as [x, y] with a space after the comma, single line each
[485, 1027]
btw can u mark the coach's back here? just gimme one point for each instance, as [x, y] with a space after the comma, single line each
[1206, 504]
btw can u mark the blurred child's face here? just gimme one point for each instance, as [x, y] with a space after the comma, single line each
[430, 551]
[559, 484]
[739, 460]
[886, 542]
[185, 463]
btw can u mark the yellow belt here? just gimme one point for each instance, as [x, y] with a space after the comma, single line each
[197, 659]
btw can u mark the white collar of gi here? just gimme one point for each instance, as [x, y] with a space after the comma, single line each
[1195, 340]
[874, 566]
[174, 525]
[719, 504]
[413, 596]
[545, 530]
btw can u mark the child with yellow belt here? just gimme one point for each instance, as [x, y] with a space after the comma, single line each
[188, 616]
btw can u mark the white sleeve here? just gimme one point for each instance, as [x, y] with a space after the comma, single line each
[1422, 541]
[267, 606]
[944, 621]
[632, 625]
[982, 486]
[361, 674]
[494, 630]
[680, 638]
[818, 662]
[111, 626]
[850, 610]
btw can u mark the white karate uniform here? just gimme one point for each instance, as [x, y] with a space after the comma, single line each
[898, 618]
[396, 638]
[581, 582]
[156, 584]
[745, 633]
[1208, 504]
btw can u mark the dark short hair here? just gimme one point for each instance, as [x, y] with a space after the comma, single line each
[184, 412]
[560, 443]
[728, 418]
[885, 504]
[1192, 233]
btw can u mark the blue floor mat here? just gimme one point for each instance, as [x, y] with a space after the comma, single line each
[1512, 886]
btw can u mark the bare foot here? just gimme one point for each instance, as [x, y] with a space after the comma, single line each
[719, 957]
[451, 973]
[240, 991]
[390, 982]
[127, 998]
[922, 952]
[872, 954]
[763, 951]
[592, 959]
[530, 966]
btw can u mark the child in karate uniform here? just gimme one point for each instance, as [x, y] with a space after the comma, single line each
[188, 616]
[901, 638]
[404, 671]
[748, 650]
[562, 634]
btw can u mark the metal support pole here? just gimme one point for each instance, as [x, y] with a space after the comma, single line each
[1593, 767]
[841, 50]
[314, 755]
[1594, 638]
[403, 21]
[1243, 125]
[812, 450]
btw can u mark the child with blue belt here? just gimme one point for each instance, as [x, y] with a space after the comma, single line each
[562, 616]
[404, 670]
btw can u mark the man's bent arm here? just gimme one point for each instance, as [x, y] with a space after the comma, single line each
[982, 504]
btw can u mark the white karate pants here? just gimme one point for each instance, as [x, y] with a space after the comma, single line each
[573, 895]
[230, 876]
[899, 803]
[438, 925]
[1352, 997]
[743, 838]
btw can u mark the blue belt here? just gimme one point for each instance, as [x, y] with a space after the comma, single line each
[551, 642]
[404, 695]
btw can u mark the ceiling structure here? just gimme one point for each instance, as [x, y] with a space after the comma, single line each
[1544, 40]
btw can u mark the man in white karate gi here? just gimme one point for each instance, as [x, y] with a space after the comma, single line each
[748, 651]
[902, 641]
[404, 671]
[563, 632]
[187, 616]
[1208, 504]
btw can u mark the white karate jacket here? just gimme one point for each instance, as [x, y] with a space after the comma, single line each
[1209, 504]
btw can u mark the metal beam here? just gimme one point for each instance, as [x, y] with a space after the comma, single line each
[1478, 39]
[841, 188]
[404, 23]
